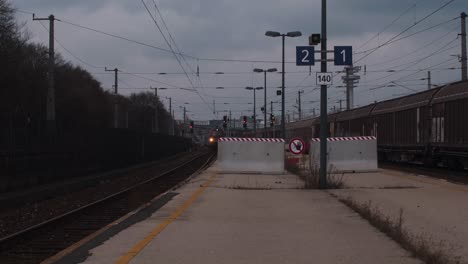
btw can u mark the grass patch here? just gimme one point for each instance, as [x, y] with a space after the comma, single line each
[420, 247]
[310, 174]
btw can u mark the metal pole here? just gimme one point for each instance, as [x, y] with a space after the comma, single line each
[172, 117]
[255, 114]
[463, 46]
[51, 88]
[271, 113]
[300, 107]
[265, 108]
[323, 103]
[116, 106]
[429, 84]
[156, 111]
[283, 125]
[116, 90]
[348, 88]
[50, 106]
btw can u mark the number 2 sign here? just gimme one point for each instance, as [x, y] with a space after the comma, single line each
[305, 55]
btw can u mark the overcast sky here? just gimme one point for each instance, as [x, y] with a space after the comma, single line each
[235, 30]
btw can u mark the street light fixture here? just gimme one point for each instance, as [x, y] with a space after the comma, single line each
[291, 34]
[265, 101]
[254, 108]
[219, 88]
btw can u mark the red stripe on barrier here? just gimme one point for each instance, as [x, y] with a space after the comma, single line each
[225, 139]
[345, 138]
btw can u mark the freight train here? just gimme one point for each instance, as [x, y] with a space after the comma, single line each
[429, 127]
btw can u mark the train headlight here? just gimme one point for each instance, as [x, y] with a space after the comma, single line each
[211, 140]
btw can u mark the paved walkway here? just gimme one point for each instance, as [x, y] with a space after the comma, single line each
[228, 218]
[432, 208]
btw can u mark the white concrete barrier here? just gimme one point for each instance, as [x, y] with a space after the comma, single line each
[347, 154]
[251, 155]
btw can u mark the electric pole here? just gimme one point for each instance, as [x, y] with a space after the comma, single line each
[429, 84]
[463, 46]
[172, 116]
[323, 103]
[214, 107]
[50, 106]
[271, 115]
[300, 107]
[156, 111]
[116, 91]
[350, 80]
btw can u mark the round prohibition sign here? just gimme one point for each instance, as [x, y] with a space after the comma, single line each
[296, 146]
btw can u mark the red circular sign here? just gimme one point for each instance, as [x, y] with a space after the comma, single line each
[296, 146]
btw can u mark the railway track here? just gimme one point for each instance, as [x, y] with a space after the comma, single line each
[455, 176]
[36, 243]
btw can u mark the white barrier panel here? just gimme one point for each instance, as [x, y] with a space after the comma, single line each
[251, 155]
[347, 154]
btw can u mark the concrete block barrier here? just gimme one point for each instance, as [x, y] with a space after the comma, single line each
[347, 154]
[251, 155]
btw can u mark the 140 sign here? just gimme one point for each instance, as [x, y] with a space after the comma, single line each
[324, 78]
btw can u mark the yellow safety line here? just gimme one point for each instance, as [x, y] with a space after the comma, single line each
[138, 247]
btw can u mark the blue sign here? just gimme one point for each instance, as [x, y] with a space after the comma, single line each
[305, 55]
[343, 55]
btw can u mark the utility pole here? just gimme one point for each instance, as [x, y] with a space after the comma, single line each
[50, 106]
[323, 103]
[299, 101]
[116, 91]
[350, 80]
[156, 111]
[185, 116]
[214, 107]
[172, 116]
[348, 89]
[271, 113]
[463, 46]
[429, 84]
[229, 124]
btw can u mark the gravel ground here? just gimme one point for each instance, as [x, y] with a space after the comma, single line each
[30, 214]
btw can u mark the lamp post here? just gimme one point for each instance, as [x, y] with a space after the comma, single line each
[254, 110]
[265, 101]
[291, 35]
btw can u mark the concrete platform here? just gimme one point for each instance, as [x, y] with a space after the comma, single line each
[229, 218]
[432, 208]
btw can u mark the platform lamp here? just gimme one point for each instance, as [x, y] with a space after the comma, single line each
[254, 103]
[291, 35]
[265, 98]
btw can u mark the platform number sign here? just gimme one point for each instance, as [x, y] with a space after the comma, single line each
[343, 55]
[305, 56]
[324, 78]
[296, 146]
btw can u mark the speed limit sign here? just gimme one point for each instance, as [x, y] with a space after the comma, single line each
[324, 78]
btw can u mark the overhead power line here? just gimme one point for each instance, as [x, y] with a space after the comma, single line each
[406, 30]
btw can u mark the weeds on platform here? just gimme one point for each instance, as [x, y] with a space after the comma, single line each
[310, 174]
[425, 249]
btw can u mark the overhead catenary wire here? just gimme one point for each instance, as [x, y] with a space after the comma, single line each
[405, 30]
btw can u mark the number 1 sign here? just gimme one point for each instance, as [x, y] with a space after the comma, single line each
[343, 55]
[305, 56]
